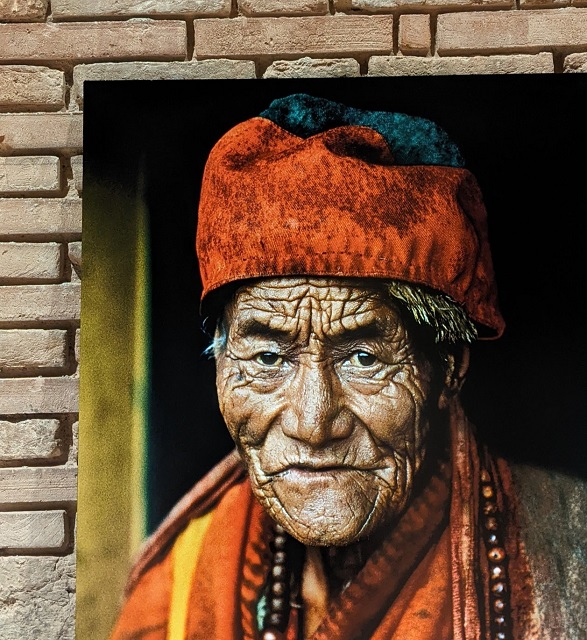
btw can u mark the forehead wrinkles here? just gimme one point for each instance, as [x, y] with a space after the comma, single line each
[320, 307]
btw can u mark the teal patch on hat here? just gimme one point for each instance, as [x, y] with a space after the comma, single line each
[412, 140]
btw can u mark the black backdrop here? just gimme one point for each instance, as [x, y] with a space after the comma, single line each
[523, 137]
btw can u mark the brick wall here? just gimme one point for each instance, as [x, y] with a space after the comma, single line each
[47, 51]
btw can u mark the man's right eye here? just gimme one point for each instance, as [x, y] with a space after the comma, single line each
[268, 359]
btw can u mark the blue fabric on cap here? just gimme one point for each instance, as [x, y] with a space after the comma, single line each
[412, 140]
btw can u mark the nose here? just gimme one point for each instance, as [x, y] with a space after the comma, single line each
[315, 412]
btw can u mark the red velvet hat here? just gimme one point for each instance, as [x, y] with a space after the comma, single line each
[337, 203]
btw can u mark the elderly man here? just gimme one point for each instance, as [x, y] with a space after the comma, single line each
[345, 260]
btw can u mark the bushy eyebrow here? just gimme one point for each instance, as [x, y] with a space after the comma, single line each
[252, 328]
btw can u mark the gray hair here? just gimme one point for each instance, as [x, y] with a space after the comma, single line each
[433, 309]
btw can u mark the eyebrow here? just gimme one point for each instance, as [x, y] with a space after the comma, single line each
[256, 329]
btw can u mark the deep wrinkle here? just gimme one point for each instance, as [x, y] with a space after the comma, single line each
[326, 396]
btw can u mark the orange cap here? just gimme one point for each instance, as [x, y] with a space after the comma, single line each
[335, 204]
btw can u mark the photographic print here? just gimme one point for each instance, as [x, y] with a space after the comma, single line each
[332, 377]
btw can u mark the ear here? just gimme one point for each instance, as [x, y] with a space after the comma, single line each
[457, 365]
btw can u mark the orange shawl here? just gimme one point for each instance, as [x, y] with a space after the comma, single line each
[452, 568]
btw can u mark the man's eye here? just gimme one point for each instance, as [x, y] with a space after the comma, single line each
[362, 359]
[268, 359]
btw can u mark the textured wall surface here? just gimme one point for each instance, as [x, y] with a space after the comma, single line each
[47, 51]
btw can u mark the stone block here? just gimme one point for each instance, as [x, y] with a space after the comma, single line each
[32, 349]
[283, 7]
[37, 597]
[138, 38]
[447, 66]
[40, 132]
[31, 87]
[40, 217]
[39, 302]
[72, 9]
[306, 35]
[313, 68]
[34, 174]
[28, 440]
[415, 37]
[194, 70]
[74, 253]
[510, 31]
[23, 10]
[38, 395]
[33, 530]
[575, 63]
[77, 168]
[40, 485]
[385, 6]
[29, 261]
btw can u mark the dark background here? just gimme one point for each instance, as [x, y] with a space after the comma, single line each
[524, 139]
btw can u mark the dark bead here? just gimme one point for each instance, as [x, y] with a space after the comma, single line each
[500, 635]
[497, 588]
[487, 491]
[491, 524]
[278, 588]
[492, 539]
[490, 508]
[485, 477]
[278, 571]
[500, 621]
[497, 554]
[279, 557]
[279, 542]
[498, 606]
[278, 605]
[276, 620]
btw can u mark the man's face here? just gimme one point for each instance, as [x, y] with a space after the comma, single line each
[328, 401]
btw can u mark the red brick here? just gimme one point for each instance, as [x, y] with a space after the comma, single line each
[385, 6]
[41, 132]
[71, 9]
[31, 87]
[23, 10]
[40, 217]
[283, 7]
[40, 485]
[460, 65]
[501, 31]
[414, 34]
[293, 36]
[39, 303]
[132, 39]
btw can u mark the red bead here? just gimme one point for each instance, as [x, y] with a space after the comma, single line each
[487, 492]
[490, 508]
[491, 524]
[497, 554]
[497, 588]
[498, 606]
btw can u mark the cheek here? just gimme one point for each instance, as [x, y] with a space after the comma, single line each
[248, 415]
[395, 416]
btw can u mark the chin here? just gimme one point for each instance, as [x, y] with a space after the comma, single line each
[327, 517]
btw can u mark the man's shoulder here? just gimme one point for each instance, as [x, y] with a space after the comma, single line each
[553, 518]
[203, 497]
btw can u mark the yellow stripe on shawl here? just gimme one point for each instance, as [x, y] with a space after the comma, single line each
[185, 557]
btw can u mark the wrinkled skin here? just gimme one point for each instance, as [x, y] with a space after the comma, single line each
[329, 403]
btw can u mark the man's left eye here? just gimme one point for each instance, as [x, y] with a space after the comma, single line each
[268, 359]
[362, 359]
